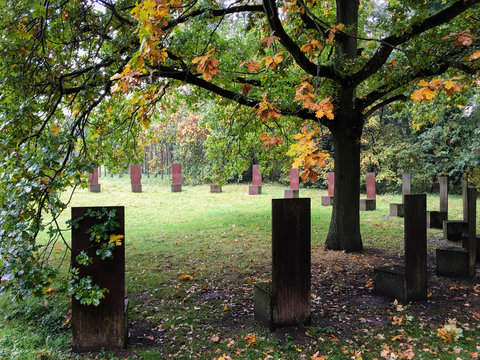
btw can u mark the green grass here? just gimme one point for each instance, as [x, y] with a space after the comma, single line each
[223, 242]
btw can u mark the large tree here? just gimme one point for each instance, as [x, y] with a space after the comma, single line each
[79, 77]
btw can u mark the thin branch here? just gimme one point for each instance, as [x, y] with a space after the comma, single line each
[385, 102]
[213, 12]
[290, 45]
[389, 43]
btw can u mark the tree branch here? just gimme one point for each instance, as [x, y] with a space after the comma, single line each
[387, 44]
[431, 70]
[213, 12]
[189, 78]
[385, 102]
[385, 90]
[290, 45]
[115, 13]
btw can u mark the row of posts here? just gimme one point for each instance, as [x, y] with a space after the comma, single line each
[285, 301]
[254, 189]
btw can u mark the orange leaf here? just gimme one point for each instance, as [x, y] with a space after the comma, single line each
[253, 66]
[269, 40]
[246, 89]
[464, 38]
[325, 108]
[310, 46]
[475, 55]
[272, 61]
[333, 30]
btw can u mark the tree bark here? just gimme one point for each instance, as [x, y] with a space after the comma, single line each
[344, 231]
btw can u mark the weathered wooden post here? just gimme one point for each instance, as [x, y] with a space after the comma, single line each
[370, 203]
[328, 200]
[293, 192]
[215, 188]
[408, 283]
[460, 261]
[93, 180]
[256, 187]
[136, 177]
[435, 218]
[398, 209]
[176, 178]
[456, 230]
[286, 300]
[105, 325]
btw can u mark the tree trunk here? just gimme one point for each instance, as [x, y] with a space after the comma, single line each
[344, 231]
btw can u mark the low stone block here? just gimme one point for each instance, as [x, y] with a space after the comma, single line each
[435, 219]
[452, 262]
[255, 190]
[263, 304]
[390, 281]
[176, 188]
[478, 248]
[454, 230]
[291, 194]
[137, 188]
[368, 204]
[396, 210]
[95, 188]
[214, 188]
[327, 200]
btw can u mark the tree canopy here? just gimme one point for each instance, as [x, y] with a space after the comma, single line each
[80, 78]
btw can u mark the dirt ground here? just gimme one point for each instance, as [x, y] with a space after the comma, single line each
[343, 298]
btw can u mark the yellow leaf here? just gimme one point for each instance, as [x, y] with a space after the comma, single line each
[55, 130]
[117, 239]
[139, 63]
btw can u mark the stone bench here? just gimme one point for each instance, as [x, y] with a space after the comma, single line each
[435, 219]
[291, 194]
[327, 200]
[454, 230]
[452, 262]
[216, 189]
[396, 210]
[368, 204]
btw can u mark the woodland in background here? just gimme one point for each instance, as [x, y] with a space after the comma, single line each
[449, 144]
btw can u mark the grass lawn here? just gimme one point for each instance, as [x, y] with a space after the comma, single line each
[223, 242]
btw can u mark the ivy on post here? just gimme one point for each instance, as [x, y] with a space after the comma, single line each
[99, 307]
